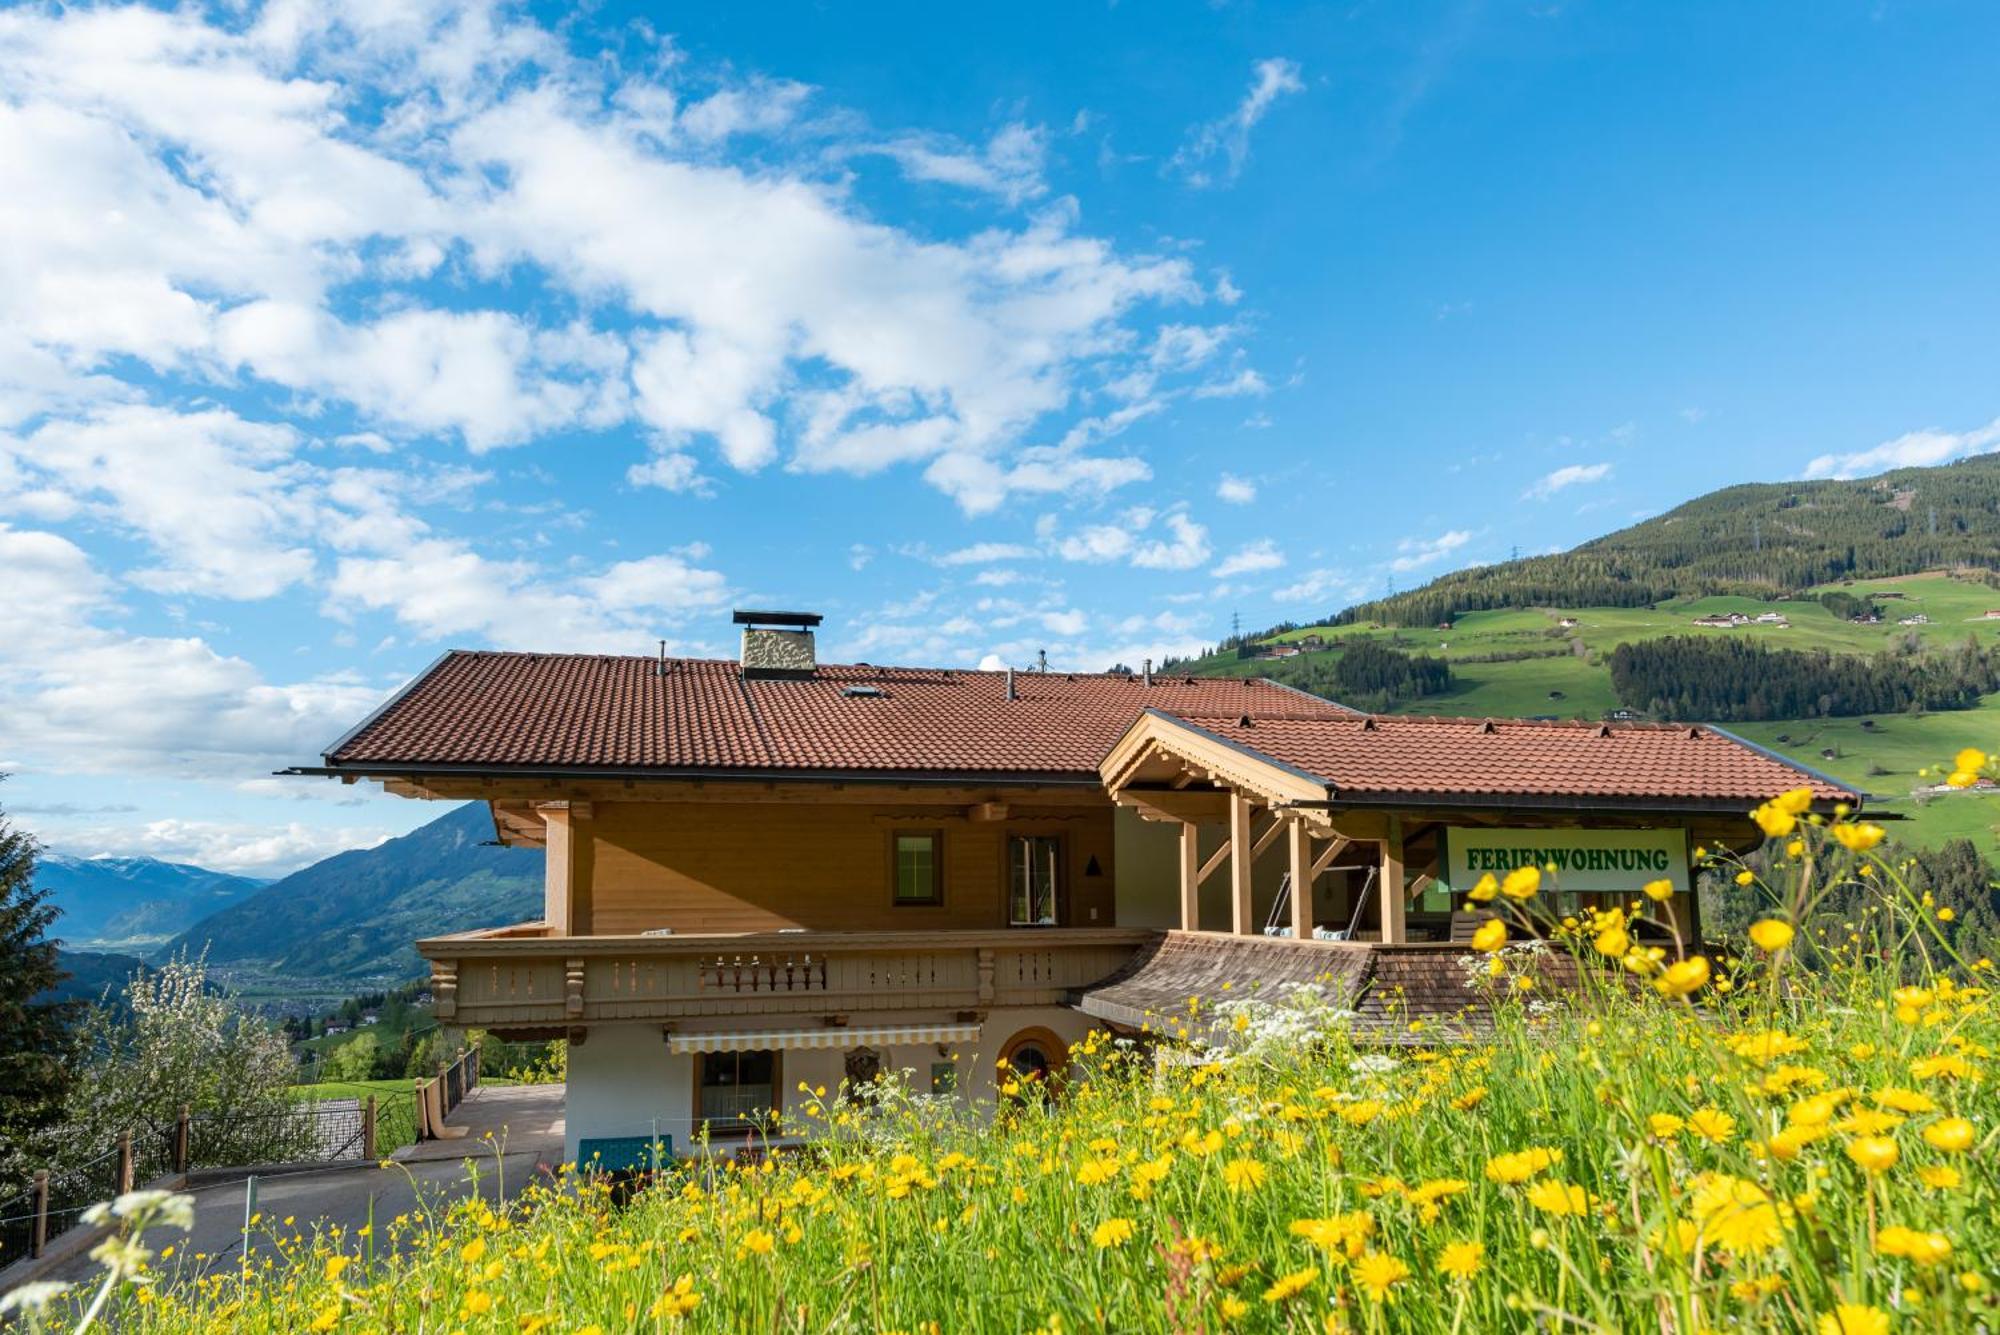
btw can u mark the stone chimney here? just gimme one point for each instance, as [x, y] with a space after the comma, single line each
[777, 645]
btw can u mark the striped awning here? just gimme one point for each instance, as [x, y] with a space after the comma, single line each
[827, 1036]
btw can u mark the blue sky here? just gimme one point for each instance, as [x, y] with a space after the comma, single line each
[332, 337]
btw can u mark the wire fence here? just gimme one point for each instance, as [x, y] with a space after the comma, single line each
[361, 1125]
[305, 1134]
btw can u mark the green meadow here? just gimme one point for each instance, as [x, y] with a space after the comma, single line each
[1526, 663]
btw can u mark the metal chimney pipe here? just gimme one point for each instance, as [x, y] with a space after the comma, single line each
[1010, 683]
[1149, 672]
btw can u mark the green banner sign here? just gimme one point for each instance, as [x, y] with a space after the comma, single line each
[1618, 860]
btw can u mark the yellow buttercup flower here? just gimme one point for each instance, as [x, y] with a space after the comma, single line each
[1483, 892]
[1771, 935]
[1858, 838]
[1522, 882]
[1684, 977]
[1659, 891]
[1492, 935]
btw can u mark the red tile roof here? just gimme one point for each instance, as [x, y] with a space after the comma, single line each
[589, 712]
[1379, 756]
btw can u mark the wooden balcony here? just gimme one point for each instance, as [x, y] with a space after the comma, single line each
[521, 978]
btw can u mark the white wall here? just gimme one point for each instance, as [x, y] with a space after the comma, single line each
[623, 1081]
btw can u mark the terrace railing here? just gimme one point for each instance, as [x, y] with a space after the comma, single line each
[511, 979]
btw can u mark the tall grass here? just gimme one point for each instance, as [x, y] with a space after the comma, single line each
[1730, 1145]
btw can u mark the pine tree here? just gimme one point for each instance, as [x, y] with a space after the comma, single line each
[36, 1029]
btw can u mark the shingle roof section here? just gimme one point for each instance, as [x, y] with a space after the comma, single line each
[591, 712]
[1390, 755]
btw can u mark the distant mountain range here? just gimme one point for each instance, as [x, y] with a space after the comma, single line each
[133, 901]
[355, 914]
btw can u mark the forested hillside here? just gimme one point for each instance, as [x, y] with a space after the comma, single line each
[1759, 540]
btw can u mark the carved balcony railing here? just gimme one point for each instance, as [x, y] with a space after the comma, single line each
[516, 978]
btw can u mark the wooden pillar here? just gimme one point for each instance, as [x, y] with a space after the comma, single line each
[127, 1174]
[368, 1124]
[566, 867]
[1392, 889]
[1299, 845]
[1242, 862]
[1190, 876]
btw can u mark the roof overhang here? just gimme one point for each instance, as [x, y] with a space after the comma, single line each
[1160, 748]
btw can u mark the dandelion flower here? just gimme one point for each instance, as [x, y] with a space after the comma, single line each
[1244, 1174]
[1854, 1319]
[1712, 1124]
[1953, 1135]
[1292, 1285]
[1925, 1249]
[1378, 1273]
[1462, 1260]
[1558, 1198]
[1874, 1154]
[1113, 1232]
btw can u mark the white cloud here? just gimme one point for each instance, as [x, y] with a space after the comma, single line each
[1186, 548]
[1229, 137]
[982, 553]
[1322, 586]
[276, 196]
[1250, 558]
[239, 848]
[219, 500]
[1236, 490]
[1915, 449]
[1416, 553]
[1010, 166]
[1097, 543]
[1570, 475]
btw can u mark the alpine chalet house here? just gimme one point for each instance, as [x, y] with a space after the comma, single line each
[772, 871]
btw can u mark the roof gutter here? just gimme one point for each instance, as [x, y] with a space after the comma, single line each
[932, 778]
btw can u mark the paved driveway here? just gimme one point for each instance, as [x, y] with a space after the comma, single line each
[525, 1126]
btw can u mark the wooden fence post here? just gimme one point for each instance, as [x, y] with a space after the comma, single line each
[183, 1139]
[368, 1128]
[125, 1165]
[41, 1234]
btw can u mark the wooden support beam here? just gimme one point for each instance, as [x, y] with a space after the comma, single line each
[1332, 851]
[1215, 859]
[1300, 848]
[1191, 875]
[1270, 835]
[567, 864]
[1392, 889]
[1242, 859]
[1203, 806]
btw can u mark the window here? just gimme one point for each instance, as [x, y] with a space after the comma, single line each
[1037, 1060]
[1033, 861]
[916, 859]
[735, 1091]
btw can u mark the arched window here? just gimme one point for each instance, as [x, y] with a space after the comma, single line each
[1037, 1058]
